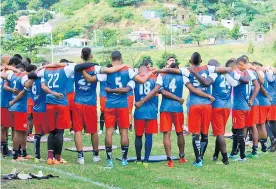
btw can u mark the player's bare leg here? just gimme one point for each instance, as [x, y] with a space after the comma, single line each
[181, 147]
[124, 144]
[167, 146]
[262, 136]
[95, 144]
[108, 146]
[79, 147]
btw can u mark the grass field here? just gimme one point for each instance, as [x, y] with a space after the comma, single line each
[256, 173]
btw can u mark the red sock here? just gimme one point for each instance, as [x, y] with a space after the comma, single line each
[50, 154]
[57, 156]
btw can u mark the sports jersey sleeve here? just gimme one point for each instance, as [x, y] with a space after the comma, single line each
[69, 70]
[40, 73]
[185, 80]
[42, 80]
[9, 75]
[213, 76]
[159, 80]
[252, 75]
[24, 79]
[101, 77]
[211, 69]
[185, 72]
[270, 76]
[98, 69]
[231, 80]
[131, 84]
[131, 73]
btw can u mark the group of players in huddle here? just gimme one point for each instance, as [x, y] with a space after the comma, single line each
[63, 95]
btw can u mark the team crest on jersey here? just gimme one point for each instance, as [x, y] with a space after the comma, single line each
[25, 125]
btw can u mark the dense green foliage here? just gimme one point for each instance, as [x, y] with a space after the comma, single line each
[119, 3]
[38, 17]
[163, 61]
[10, 23]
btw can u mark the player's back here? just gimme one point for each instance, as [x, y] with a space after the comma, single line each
[221, 91]
[115, 80]
[253, 76]
[272, 90]
[195, 99]
[149, 109]
[85, 91]
[174, 84]
[241, 95]
[56, 80]
[17, 83]
[5, 95]
[38, 96]
[70, 85]
[102, 87]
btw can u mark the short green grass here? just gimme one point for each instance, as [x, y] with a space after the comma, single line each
[256, 173]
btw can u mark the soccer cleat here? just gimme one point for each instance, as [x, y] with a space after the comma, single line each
[138, 162]
[234, 157]
[49, 161]
[170, 163]
[109, 164]
[28, 156]
[226, 162]
[9, 154]
[124, 162]
[62, 160]
[146, 164]
[252, 156]
[56, 162]
[96, 159]
[182, 160]
[215, 158]
[18, 159]
[80, 161]
[198, 165]
[39, 160]
[100, 132]
[241, 160]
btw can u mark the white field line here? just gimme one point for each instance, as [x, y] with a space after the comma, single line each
[72, 175]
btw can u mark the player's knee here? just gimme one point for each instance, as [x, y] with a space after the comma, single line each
[179, 134]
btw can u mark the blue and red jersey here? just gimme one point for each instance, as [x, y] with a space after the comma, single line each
[271, 77]
[38, 96]
[149, 109]
[253, 76]
[102, 87]
[204, 71]
[17, 81]
[6, 96]
[70, 85]
[263, 100]
[86, 91]
[115, 80]
[174, 84]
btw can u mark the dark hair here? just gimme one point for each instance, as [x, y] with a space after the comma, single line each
[29, 60]
[245, 57]
[213, 62]
[173, 65]
[18, 56]
[109, 65]
[21, 66]
[241, 59]
[64, 61]
[31, 67]
[116, 55]
[230, 62]
[196, 58]
[45, 63]
[257, 64]
[15, 60]
[146, 62]
[169, 57]
[85, 53]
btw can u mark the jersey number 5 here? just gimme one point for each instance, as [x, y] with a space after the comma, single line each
[118, 82]
[53, 80]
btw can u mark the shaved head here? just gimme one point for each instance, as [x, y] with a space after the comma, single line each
[5, 58]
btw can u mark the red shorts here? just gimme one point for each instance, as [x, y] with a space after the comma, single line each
[169, 118]
[41, 123]
[272, 113]
[113, 114]
[20, 121]
[71, 98]
[30, 105]
[263, 114]
[239, 117]
[58, 116]
[219, 120]
[6, 118]
[145, 126]
[252, 117]
[130, 101]
[102, 103]
[85, 117]
[199, 118]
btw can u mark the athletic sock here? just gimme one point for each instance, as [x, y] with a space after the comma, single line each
[148, 146]
[102, 121]
[241, 142]
[15, 154]
[124, 151]
[182, 155]
[108, 152]
[203, 144]
[234, 143]
[263, 142]
[58, 143]
[50, 154]
[24, 152]
[224, 157]
[169, 158]
[37, 138]
[57, 157]
[138, 147]
[254, 150]
[217, 149]
[95, 153]
[196, 147]
[4, 148]
[80, 154]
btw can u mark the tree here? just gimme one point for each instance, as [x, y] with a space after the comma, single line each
[71, 33]
[10, 23]
[197, 35]
[119, 3]
[34, 5]
[235, 32]
[217, 32]
[162, 63]
[260, 24]
[38, 17]
[142, 59]
[109, 37]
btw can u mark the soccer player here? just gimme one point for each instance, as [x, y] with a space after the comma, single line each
[102, 105]
[171, 110]
[264, 105]
[85, 108]
[271, 77]
[117, 107]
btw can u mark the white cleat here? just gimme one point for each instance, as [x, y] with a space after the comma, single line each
[117, 131]
[100, 132]
[96, 159]
[80, 161]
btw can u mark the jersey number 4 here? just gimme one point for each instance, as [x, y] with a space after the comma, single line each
[52, 83]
